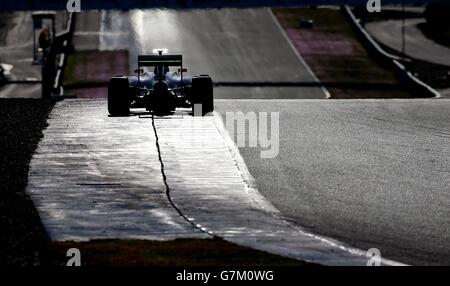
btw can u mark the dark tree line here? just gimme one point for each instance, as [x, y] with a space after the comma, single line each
[438, 16]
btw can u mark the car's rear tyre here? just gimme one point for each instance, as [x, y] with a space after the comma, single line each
[119, 96]
[202, 93]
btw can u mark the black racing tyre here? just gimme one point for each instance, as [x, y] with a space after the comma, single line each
[118, 96]
[202, 93]
[2, 77]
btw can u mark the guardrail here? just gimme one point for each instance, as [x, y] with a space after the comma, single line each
[417, 87]
[63, 44]
[55, 61]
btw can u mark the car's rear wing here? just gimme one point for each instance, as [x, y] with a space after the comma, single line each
[160, 60]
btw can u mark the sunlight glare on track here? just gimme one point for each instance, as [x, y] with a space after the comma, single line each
[166, 34]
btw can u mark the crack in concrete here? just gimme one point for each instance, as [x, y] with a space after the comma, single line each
[169, 198]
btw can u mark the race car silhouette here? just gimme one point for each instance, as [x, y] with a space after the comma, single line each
[162, 90]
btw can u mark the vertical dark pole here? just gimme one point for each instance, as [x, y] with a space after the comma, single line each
[403, 29]
[139, 73]
[48, 72]
[53, 28]
[43, 80]
[34, 42]
[46, 77]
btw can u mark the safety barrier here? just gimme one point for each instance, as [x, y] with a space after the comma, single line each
[417, 87]
[63, 44]
[55, 61]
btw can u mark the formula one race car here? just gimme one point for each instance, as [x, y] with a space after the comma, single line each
[160, 91]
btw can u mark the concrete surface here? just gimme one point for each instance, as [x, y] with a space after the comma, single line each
[370, 173]
[95, 176]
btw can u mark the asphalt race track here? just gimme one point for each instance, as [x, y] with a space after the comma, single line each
[417, 46]
[231, 45]
[371, 173]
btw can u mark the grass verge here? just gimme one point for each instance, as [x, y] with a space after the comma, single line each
[176, 253]
[334, 54]
[23, 238]
[95, 66]
[92, 69]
